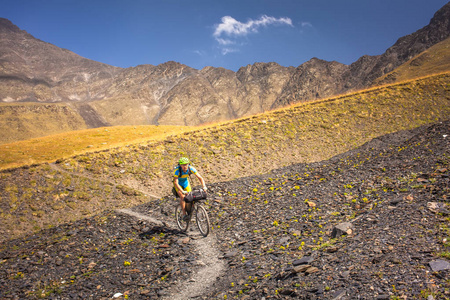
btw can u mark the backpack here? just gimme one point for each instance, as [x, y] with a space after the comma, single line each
[180, 171]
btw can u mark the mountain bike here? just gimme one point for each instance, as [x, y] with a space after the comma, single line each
[193, 208]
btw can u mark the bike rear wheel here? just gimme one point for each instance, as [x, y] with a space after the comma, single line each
[183, 225]
[202, 220]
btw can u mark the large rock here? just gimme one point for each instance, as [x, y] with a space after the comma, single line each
[345, 228]
[303, 261]
[439, 265]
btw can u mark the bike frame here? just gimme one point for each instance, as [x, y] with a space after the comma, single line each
[191, 207]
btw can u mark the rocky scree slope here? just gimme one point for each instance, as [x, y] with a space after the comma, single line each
[277, 233]
[32, 70]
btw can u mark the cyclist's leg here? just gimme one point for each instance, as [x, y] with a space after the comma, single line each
[182, 203]
[187, 189]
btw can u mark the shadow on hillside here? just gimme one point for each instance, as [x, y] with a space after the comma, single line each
[157, 230]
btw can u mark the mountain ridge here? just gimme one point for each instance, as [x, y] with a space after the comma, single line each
[363, 72]
[148, 94]
[432, 60]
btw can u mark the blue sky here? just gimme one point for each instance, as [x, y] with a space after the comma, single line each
[225, 33]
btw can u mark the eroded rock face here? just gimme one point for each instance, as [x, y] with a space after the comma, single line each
[173, 93]
[313, 80]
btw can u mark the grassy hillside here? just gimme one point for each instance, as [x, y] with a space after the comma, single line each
[67, 144]
[21, 121]
[45, 195]
[432, 61]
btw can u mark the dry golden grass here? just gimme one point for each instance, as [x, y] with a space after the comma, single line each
[63, 145]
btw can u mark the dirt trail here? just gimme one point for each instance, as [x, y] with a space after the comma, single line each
[209, 256]
[205, 247]
[141, 216]
[205, 277]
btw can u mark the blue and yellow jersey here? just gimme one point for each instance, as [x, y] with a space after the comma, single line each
[183, 178]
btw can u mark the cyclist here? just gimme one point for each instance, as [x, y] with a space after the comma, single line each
[181, 184]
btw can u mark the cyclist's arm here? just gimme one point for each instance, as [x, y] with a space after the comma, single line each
[178, 187]
[200, 178]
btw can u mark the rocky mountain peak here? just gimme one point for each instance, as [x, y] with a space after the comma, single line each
[172, 69]
[172, 65]
[315, 60]
[409, 46]
[257, 70]
[7, 26]
[442, 17]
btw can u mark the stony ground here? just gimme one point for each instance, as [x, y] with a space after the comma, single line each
[275, 234]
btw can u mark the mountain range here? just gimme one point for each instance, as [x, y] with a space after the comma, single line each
[33, 71]
[340, 198]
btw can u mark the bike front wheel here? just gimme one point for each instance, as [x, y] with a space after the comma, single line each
[202, 220]
[183, 225]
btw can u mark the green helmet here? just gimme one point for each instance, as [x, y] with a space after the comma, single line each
[183, 161]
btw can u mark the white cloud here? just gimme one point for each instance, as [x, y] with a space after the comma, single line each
[225, 41]
[306, 24]
[231, 29]
[199, 52]
[225, 51]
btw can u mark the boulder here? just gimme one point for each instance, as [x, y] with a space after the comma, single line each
[439, 265]
[345, 228]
